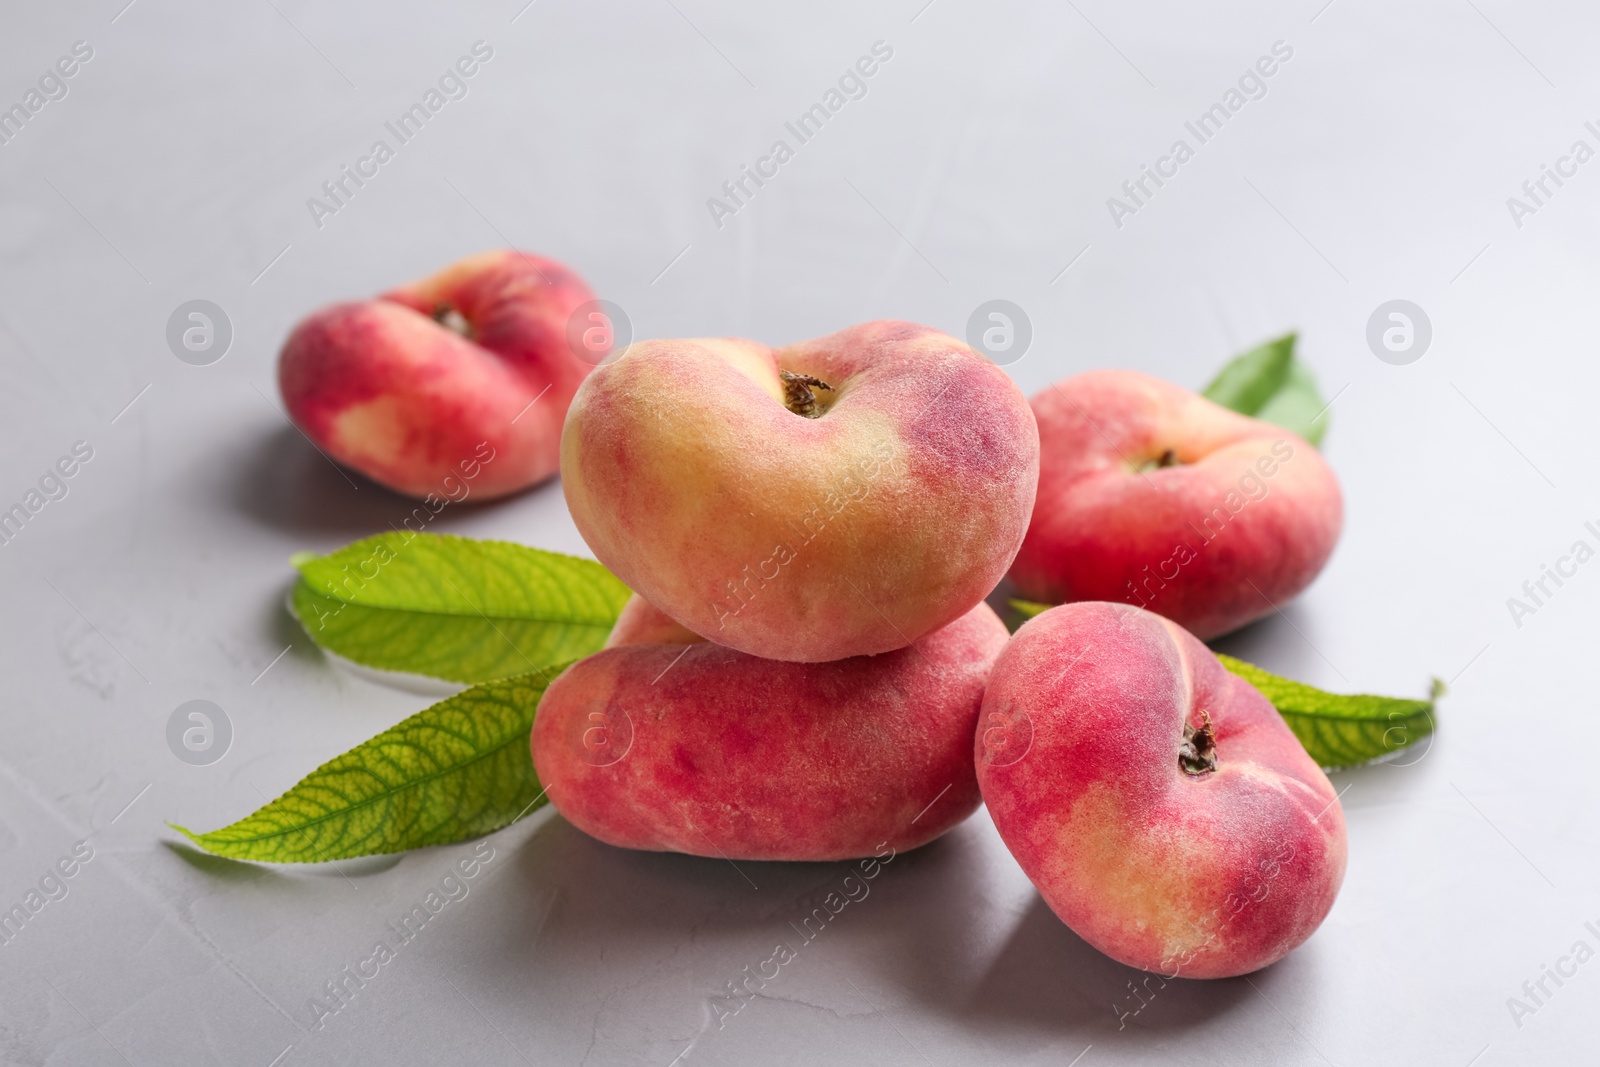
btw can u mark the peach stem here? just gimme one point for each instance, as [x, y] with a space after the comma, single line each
[797, 394]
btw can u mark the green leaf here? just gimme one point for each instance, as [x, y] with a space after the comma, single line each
[458, 769]
[455, 608]
[1020, 611]
[1342, 731]
[1269, 383]
[1029, 608]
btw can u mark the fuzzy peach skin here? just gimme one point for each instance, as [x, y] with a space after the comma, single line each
[386, 387]
[701, 749]
[1202, 875]
[794, 538]
[1241, 520]
[642, 623]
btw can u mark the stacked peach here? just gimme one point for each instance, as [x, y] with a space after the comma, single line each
[672, 742]
[840, 497]
[811, 531]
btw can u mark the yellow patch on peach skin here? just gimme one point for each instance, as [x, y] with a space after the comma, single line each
[783, 482]
[372, 431]
[749, 358]
[1149, 880]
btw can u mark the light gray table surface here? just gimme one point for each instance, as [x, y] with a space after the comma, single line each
[978, 165]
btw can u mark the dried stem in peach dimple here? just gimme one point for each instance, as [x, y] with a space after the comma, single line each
[798, 396]
[1198, 753]
[452, 320]
[1169, 458]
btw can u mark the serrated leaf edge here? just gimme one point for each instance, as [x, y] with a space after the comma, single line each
[200, 839]
[1418, 713]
